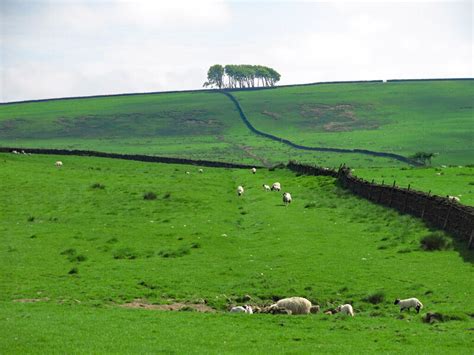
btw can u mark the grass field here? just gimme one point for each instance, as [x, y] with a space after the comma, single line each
[82, 241]
[400, 118]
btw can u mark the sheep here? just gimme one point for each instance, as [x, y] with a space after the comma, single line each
[346, 309]
[254, 170]
[408, 303]
[454, 199]
[266, 187]
[297, 305]
[59, 163]
[242, 309]
[286, 198]
[15, 152]
[276, 186]
[240, 190]
[201, 171]
[187, 173]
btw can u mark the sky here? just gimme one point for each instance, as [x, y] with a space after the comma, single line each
[64, 48]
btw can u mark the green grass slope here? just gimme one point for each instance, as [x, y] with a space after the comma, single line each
[82, 240]
[401, 117]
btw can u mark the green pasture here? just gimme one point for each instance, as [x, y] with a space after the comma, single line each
[401, 118]
[79, 242]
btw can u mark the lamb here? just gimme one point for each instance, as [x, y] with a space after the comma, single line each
[254, 170]
[408, 303]
[454, 199]
[276, 186]
[286, 198]
[297, 305]
[242, 309]
[59, 164]
[266, 187]
[240, 190]
[346, 309]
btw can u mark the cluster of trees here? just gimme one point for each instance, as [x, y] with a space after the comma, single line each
[241, 76]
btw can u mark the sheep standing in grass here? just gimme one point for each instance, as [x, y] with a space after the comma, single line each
[286, 198]
[297, 305]
[254, 170]
[59, 164]
[266, 187]
[346, 309]
[454, 199]
[240, 190]
[409, 303]
[15, 152]
[276, 186]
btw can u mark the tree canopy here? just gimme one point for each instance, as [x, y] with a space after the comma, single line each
[241, 76]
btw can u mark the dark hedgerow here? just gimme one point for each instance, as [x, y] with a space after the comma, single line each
[149, 196]
[435, 241]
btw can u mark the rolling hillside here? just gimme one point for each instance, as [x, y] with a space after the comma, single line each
[400, 118]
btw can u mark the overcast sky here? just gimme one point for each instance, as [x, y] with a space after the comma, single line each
[58, 48]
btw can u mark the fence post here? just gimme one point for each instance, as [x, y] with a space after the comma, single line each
[424, 205]
[391, 194]
[447, 216]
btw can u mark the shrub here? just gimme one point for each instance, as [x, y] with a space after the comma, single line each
[98, 186]
[435, 241]
[149, 196]
[375, 298]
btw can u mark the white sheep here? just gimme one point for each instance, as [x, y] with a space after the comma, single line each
[15, 152]
[297, 305]
[286, 198]
[242, 309]
[266, 187]
[254, 170]
[240, 190]
[201, 171]
[346, 309]
[454, 199]
[59, 163]
[276, 186]
[409, 303]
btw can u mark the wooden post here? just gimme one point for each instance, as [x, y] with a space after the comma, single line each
[471, 240]
[447, 216]
[391, 194]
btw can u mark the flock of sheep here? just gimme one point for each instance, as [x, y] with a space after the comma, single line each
[301, 305]
[276, 186]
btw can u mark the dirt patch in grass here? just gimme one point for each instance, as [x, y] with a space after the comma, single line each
[178, 306]
[335, 118]
[31, 300]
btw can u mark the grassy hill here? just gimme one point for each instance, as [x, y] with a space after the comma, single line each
[80, 242]
[400, 118]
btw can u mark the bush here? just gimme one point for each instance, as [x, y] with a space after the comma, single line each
[435, 241]
[375, 298]
[149, 196]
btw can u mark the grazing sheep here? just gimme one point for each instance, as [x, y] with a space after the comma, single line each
[346, 309]
[242, 309]
[59, 164]
[276, 186]
[266, 187]
[23, 152]
[187, 173]
[297, 305]
[454, 199]
[408, 303]
[254, 170]
[240, 190]
[274, 309]
[286, 198]
[201, 171]
[15, 152]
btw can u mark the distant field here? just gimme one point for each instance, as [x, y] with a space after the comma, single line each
[82, 241]
[401, 118]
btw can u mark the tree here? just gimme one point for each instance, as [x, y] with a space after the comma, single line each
[215, 76]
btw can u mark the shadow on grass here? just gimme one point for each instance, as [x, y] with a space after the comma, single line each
[461, 247]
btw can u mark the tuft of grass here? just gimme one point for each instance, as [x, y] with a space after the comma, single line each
[149, 196]
[31, 219]
[167, 195]
[170, 253]
[125, 253]
[375, 298]
[310, 205]
[73, 271]
[435, 241]
[69, 252]
[98, 186]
